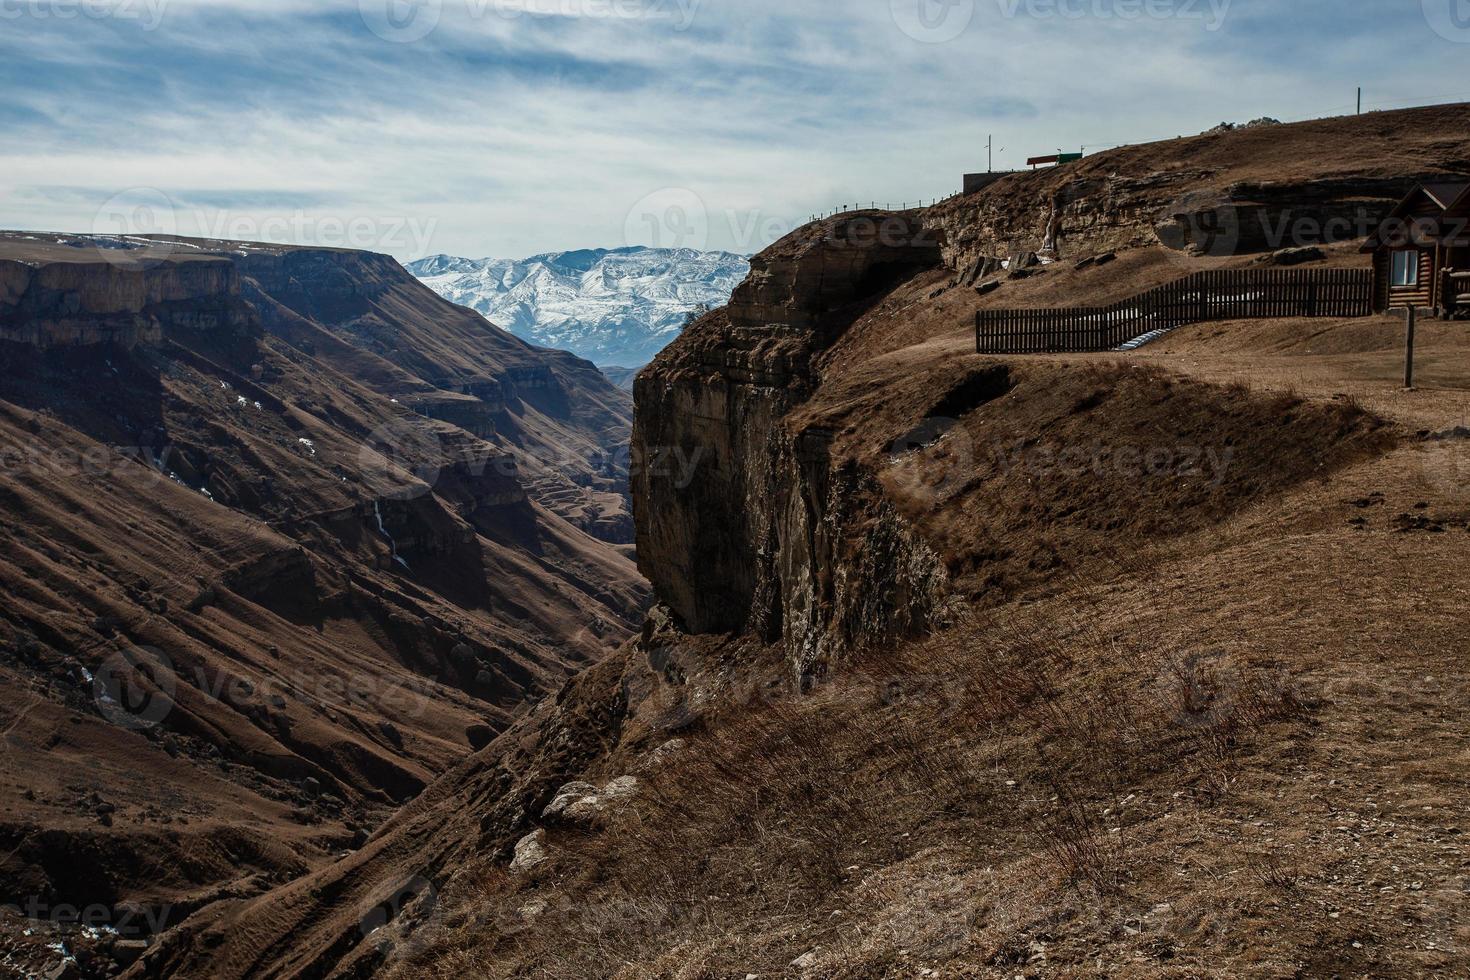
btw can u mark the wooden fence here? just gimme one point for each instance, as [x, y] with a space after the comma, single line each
[1226, 294]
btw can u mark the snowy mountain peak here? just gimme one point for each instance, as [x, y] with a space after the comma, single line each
[612, 306]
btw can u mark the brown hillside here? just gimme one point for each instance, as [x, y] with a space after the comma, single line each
[253, 600]
[903, 711]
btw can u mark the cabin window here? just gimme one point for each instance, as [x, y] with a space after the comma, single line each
[1405, 268]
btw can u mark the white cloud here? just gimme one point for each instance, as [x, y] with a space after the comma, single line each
[517, 134]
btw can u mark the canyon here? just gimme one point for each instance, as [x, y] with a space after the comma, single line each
[901, 696]
[287, 536]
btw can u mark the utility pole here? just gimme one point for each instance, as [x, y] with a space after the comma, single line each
[1409, 350]
[1360, 100]
[990, 154]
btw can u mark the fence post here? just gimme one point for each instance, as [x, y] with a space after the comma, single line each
[1409, 349]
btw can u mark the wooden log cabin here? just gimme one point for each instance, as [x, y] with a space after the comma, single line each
[1421, 252]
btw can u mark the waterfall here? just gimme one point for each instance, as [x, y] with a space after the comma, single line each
[378, 513]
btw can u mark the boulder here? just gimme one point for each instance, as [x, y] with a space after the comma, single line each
[622, 788]
[585, 804]
[463, 656]
[530, 851]
[565, 797]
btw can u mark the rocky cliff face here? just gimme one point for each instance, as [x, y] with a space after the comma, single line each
[82, 299]
[1085, 212]
[744, 523]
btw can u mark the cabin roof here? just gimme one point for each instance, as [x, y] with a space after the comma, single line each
[1445, 195]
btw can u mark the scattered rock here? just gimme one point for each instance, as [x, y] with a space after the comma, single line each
[312, 787]
[583, 803]
[565, 797]
[1105, 258]
[1230, 127]
[985, 288]
[530, 851]
[805, 961]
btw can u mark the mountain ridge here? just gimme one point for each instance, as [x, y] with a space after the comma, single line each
[613, 306]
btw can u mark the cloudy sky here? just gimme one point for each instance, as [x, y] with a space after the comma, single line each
[511, 127]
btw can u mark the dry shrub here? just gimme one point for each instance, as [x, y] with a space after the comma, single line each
[1272, 872]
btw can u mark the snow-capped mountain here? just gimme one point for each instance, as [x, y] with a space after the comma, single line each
[615, 307]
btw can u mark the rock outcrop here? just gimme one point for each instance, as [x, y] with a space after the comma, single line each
[744, 524]
[70, 297]
[1229, 192]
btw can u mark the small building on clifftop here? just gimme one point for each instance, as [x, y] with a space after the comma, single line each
[1421, 252]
